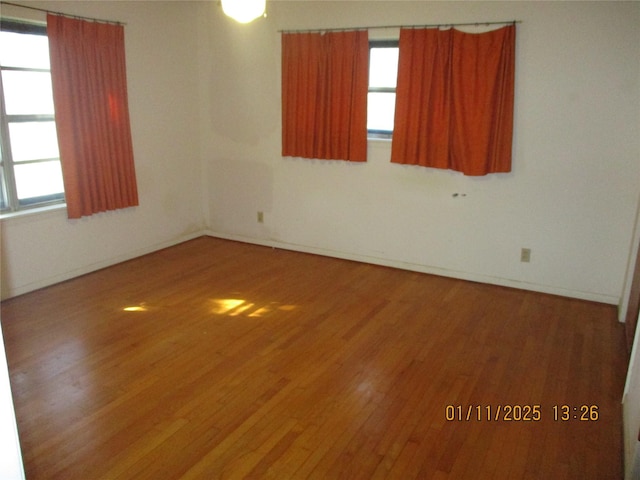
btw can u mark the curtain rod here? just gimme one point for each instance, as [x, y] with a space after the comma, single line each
[79, 17]
[369, 27]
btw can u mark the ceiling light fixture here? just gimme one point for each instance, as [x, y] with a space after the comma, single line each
[244, 11]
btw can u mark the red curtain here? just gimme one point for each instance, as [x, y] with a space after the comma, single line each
[454, 100]
[92, 115]
[324, 95]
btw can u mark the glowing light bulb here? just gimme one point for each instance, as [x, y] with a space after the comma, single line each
[243, 11]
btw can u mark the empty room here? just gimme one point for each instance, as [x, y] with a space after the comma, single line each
[325, 239]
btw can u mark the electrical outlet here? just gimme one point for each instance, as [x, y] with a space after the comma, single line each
[260, 217]
[525, 255]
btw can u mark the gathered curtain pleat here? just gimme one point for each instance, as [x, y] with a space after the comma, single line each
[324, 95]
[454, 100]
[88, 75]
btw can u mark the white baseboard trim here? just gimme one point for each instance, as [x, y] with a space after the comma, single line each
[589, 296]
[504, 282]
[46, 282]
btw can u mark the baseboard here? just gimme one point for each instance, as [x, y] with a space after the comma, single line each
[504, 282]
[46, 282]
[589, 296]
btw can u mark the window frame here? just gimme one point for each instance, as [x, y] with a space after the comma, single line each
[387, 43]
[9, 201]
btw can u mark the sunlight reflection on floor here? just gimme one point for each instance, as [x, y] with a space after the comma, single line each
[235, 306]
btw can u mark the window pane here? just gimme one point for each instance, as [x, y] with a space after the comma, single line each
[24, 50]
[4, 201]
[383, 67]
[27, 93]
[380, 111]
[38, 179]
[33, 140]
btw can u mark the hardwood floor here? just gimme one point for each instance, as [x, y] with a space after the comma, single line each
[248, 362]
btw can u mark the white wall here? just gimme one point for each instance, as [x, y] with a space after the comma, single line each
[571, 196]
[161, 46]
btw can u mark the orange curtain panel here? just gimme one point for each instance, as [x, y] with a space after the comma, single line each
[324, 95]
[92, 115]
[454, 100]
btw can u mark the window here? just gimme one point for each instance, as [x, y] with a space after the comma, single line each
[383, 72]
[30, 171]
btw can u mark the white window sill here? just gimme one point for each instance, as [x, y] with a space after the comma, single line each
[379, 137]
[33, 211]
[379, 140]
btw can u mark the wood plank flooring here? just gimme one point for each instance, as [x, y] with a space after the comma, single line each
[243, 361]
